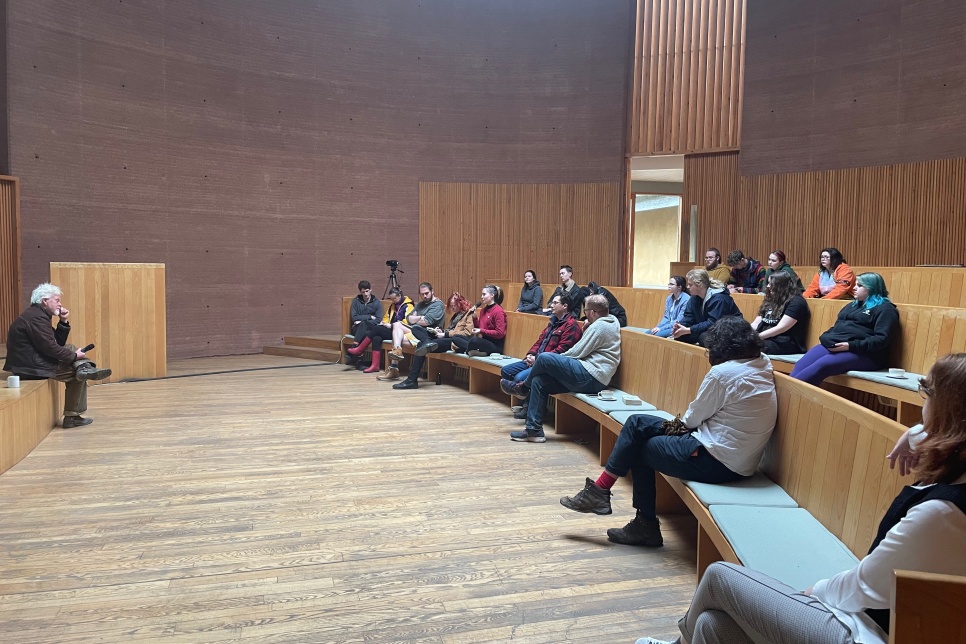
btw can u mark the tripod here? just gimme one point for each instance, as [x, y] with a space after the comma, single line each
[393, 282]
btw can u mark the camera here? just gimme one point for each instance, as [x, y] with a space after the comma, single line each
[392, 263]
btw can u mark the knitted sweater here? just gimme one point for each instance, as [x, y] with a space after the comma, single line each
[599, 349]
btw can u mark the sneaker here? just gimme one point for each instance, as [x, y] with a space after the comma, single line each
[520, 414]
[529, 436]
[90, 372]
[429, 347]
[639, 532]
[396, 353]
[476, 353]
[513, 388]
[75, 421]
[651, 640]
[406, 384]
[591, 499]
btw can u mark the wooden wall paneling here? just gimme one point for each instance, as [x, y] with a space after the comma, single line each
[26, 417]
[10, 258]
[900, 215]
[121, 309]
[687, 67]
[475, 232]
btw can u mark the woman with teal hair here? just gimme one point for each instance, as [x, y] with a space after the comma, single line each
[861, 337]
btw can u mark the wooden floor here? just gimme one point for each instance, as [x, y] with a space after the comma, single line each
[313, 504]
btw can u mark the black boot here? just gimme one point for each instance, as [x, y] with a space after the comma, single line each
[639, 532]
[408, 383]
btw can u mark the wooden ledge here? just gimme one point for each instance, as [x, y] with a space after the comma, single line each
[27, 415]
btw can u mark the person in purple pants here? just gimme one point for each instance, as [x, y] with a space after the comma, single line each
[860, 339]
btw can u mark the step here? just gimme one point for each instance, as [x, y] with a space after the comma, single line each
[315, 341]
[308, 353]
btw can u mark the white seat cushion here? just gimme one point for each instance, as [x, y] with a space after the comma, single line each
[756, 490]
[608, 406]
[788, 544]
[622, 416]
[910, 381]
[788, 357]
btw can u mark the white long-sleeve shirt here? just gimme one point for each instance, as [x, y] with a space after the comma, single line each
[735, 411]
[930, 538]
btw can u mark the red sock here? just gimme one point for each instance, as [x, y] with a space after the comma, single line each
[606, 481]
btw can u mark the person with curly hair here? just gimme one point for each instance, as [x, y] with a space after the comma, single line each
[924, 530]
[731, 420]
[441, 340]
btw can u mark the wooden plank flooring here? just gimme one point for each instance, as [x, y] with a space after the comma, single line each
[314, 504]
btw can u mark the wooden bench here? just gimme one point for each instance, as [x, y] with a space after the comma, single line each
[827, 455]
[927, 333]
[27, 415]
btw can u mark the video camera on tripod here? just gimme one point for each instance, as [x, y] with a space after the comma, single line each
[393, 282]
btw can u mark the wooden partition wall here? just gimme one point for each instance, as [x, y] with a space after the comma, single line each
[121, 309]
[10, 276]
[470, 233]
[898, 215]
[688, 62]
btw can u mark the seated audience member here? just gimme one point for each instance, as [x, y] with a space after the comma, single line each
[490, 329]
[834, 280]
[38, 351]
[731, 420]
[365, 312]
[777, 263]
[399, 309]
[924, 530]
[712, 264]
[440, 340]
[746, 273]
[677, 301]
[709, 302]
[562, 332]
[586, 367]
[782, 320]
[412, 330]
[613, 306]
[531, 297]
[860, 339]
[569, 288]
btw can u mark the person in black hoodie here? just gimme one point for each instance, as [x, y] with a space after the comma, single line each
[710, 301]
[366, 310]
[860, 339]
[613, 306]
[531, 297]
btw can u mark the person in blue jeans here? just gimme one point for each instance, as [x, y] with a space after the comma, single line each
[731, 419]
[586, 367]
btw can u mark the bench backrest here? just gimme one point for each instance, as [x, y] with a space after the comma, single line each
[829, 455]
[826, 452]
[907, 284]
[663, 372]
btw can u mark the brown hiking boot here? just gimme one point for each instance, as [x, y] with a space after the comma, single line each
[392, 373]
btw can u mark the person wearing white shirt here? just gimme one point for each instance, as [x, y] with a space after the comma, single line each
[731, 420]
[924, 530]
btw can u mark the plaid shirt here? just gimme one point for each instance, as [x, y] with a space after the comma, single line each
[559, 336]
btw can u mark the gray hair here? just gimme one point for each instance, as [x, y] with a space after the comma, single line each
[44, 291]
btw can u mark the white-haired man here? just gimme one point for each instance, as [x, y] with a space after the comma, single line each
[37, 351]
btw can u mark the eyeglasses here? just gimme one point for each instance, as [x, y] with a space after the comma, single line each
[924, 390]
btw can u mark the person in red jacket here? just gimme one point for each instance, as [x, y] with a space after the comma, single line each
[561, 333]
[490, 328]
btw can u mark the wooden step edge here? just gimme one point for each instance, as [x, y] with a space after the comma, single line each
[307, 353]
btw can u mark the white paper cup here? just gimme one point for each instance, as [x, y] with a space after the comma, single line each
[13, 382]
[897, 373]
[606, 394]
